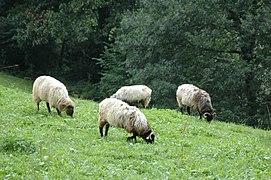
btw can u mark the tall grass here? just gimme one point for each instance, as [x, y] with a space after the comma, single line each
[39, 145]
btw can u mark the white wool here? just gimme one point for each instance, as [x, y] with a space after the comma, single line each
[119, 114]
[198, 99]
[185, 95]
[134, 93]
[49, 89]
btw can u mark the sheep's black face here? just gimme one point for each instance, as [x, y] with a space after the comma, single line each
[150, 138]
[69, 111]
[209, 116]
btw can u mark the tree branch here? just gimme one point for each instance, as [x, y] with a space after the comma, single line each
[222, 51]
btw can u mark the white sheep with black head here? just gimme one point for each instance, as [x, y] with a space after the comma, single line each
[192, 96]
[134, 93]
[119, 114]
[54, 93]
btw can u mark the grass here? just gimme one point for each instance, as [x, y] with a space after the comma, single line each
[37, 145]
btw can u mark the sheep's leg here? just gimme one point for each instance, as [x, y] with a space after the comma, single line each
[101, 131]
[101, 126]
[181, 109]
[180, 104]
[188, 110]
[200, 115]
[135, 139]
[38, 105]
[48, 107]
[58, 112]
[106, 129]
[132, 137]
[147, 102]
[101, 122]
[142, 102]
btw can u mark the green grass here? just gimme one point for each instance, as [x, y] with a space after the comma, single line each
[37, 145]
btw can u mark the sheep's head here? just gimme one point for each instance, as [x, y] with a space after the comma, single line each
[150, 138]
[66, 104]
[69, 110]
[209, 116]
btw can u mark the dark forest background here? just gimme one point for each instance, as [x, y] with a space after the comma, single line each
[97, 46]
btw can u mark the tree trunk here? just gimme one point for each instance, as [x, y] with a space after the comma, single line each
[247, 44]
[248, 40]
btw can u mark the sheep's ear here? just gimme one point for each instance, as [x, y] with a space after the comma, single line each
[69, 107]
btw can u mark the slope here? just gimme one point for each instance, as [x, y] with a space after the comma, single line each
[37, 145]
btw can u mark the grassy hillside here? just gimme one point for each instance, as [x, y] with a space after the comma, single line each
[37, 145]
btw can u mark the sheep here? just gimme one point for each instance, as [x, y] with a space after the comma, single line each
[120, 114]
[54, 93]
[192, 96]
[135, 93]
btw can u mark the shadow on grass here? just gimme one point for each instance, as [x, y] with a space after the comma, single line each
[14, 145]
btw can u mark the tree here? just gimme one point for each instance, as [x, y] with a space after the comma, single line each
[217, 45]
[55, 36]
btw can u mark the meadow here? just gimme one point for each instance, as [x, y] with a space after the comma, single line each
[38, 145]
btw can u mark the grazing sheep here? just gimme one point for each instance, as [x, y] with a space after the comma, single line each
[192, 96]
[54, 93]
[119, 114]
[135, 93]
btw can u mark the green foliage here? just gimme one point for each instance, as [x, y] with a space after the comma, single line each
[9, 53]
[114, 72]
[37, 145]
[56, 36]
[84, 90]
[101, 45]
[216, 45]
